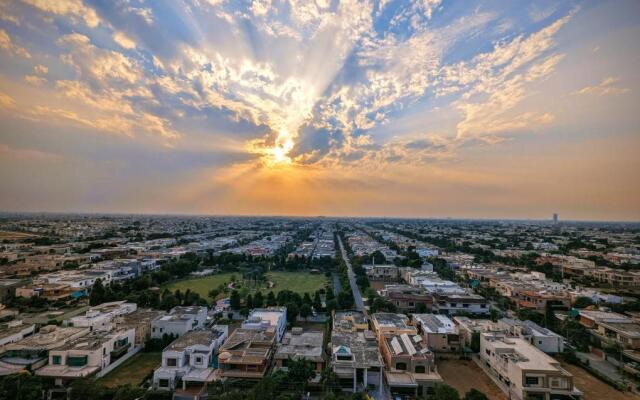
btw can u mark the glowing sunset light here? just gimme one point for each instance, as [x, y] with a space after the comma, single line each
[347, 107]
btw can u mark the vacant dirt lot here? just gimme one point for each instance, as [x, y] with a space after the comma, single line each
[593, 388]
[464, 375]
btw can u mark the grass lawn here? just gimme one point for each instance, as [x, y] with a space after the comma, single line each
[300, 282]
[203, 285]
[133, 370]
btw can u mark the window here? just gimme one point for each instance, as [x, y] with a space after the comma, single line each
[420, 369]
[171, 362]
[531, 380]
[163, 383]
[56, 360]
[401, 366]
[198, 360]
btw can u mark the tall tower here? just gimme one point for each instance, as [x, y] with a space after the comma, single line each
[555, 218]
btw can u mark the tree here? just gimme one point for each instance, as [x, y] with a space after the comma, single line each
[271, 299]
[86, 388]
[98, 293]
[234, 299]
[213, 293]
[583, 302]
[317, 302]
[21, 387]
[475, 394]
[258, 300]
[129, 392]
[292, 312]
[443, 391]
[249, 301]
[305, 311]
[300, 371]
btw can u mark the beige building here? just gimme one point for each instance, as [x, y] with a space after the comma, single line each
[524, 372]
[439, 332]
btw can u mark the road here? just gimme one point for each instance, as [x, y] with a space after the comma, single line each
[357, 297]
[337, 288]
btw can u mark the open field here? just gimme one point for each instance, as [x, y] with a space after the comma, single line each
[593, 388]
[7, 235]
[300, 282]
[464, 375]
[133, 370]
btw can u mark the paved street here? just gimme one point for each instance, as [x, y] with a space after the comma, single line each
[352, 279]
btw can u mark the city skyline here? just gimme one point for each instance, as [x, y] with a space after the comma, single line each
[432, 109]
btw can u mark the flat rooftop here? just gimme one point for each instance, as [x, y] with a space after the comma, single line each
[303, 345]
[193, 338]
[522, 353]
[435, 323]
[390, 320]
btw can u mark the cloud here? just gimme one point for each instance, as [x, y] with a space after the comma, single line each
[124, 41]
[102, 65]
[35, 80]
[41, 69]
[9, 46]
[606, 87]
[27, 154]
[74, 9]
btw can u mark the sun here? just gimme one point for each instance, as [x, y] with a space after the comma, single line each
[279, 153]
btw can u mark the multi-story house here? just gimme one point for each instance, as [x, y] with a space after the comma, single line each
[262, 318]
[32, 351]
[188, 363]
[14, 331]
[349, 321]
[300, 345]
[356, 360]
[390, 323]
[247, 354]
[387, 272]
[410, 365]
[407, 298]
[179, 321]
[87, 355]
[459, 303]
[439, 332]
[543, 338]
[523, 371]
[100, 317]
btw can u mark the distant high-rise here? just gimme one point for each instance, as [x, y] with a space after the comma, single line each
[555, 218]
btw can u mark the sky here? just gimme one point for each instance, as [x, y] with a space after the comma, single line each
[432, 108]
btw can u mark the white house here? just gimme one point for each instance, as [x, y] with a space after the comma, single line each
[179, 321]
[262, 318]
[188, 363]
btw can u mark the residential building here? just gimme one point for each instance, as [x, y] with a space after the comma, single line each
[410, 365]
[14, 331]
[385, 272]
[349, 321]
[391, 323]
[262, 318]
[247, 353]
[467, 327]
[459, 303]
[439, 332]
[407, 298]
[179, 321]
[356, 360]
[100, 317]
[87, 355]
[188, 363]
[140, 320]
[32, 351]
[543, 338]
[523, 371]
[300, 345]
